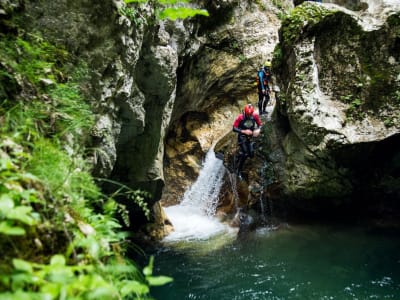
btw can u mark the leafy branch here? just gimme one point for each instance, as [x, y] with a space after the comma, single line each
[168, 9]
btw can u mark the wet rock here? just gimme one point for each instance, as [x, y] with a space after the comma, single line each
[338, 87]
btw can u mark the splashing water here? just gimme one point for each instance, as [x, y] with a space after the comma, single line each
[194, 218]
[203, 194]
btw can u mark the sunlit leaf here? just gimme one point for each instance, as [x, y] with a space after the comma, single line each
[21, 295]
[148, 270]
[103, 292]
[22, 265]
[57, 260]
[51, 289]
[6, 203]
[11, 230]
[135, 1]
[134, 287]
[22, 278]
[6, 164]
[21, 213]
[174, 13]
[158, 280]
[169, 2]
[93, 248]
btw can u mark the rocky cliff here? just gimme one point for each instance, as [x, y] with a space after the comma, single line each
[338, 71]
[153, 81]
[165, 91]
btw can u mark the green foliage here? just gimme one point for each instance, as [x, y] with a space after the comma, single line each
[261, 5]
[63, 110]
[60, 238]
[135, 1]
[242, 58]
[154, 280]
[132, 14]
[297, 19]
[174, 13]
[355, 104]
[15, 209]
[389, 122]
[166, 9]
[73, 114]
[49, 164]
[35, 59]
[136, 197]
[58, 280]
[281, 5]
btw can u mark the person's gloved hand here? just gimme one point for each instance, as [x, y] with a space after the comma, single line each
[247, 132]
[256, 132]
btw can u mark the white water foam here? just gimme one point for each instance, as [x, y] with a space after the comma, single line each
[194, 218]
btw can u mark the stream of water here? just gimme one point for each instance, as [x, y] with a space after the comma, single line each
[295, 262]
[209, 261]
[193, 218]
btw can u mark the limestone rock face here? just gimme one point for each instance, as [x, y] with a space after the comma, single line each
[165, 92]
[223, 68]
[215, 80]
[150, 77]
[132, 63]
[340, 81]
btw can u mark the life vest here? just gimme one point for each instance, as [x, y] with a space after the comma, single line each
[247, 123]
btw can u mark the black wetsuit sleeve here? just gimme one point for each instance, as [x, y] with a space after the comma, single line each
[236, 129]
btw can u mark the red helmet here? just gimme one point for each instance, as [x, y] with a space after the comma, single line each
[248, 110]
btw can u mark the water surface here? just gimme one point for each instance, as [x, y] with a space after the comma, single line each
[293, 262]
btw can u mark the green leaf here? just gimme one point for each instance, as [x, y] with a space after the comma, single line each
[93, 247]
[135, 1]
[174, 13]
[158, 280]
[22, 265]
[21, 295]
[103, 292]
[20, 213]
[52, 290]
[6, 204]
[6, 164]
[148, 270]
[57, 260]
[134, 287]
[5, 228]
[169, 2]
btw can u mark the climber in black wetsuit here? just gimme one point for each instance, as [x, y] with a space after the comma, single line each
[247, 125]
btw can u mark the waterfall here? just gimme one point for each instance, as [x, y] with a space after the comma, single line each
[203, 194]
[194, 218]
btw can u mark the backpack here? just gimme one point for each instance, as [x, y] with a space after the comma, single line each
[266, 77]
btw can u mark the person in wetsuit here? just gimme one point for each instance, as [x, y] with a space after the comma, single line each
[247, 125]
[263, 86]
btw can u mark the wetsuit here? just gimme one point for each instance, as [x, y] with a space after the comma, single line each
[264, 77]
[246, 145]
